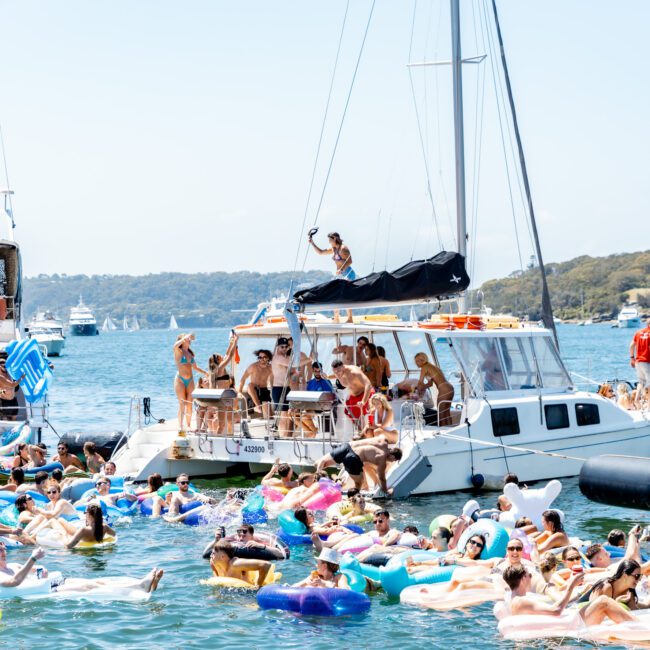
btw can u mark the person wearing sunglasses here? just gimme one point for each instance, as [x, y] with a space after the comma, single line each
[385, 536]
[260, 380]
[519, 580]
[103, 490]
[573, 563]
[183, 496]
[69, 461]
[621, 587]
[57, 507]
[470, 556]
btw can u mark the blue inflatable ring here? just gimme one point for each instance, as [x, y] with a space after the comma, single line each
[312, 601]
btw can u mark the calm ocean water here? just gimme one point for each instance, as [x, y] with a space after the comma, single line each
[93, 384]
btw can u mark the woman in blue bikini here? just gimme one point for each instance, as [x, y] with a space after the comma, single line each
[184, 379]
[342, 258]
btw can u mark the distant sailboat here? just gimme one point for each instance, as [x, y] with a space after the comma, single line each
[135, 326]
[125, 324]
[109, 325]
[173, 325]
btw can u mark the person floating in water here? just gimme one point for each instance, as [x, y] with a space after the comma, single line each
[342, 258]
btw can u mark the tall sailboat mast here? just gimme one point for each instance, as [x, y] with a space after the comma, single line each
[459, 138]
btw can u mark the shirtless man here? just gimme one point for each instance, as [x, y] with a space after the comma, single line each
[260, 377]
[355, 380]
[224, 564]
[384, 535]
[284, 471]
[348, 351]
[519, 580]
[281, 366]
[103, 487]
[354, 455]
[69, 461]
[185, 495]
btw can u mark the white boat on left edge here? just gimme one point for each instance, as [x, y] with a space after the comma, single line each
[12, 412]
[47, 330]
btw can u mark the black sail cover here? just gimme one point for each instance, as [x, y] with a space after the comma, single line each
[421, 280]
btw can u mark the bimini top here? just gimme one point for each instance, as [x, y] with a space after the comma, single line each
[438, 277]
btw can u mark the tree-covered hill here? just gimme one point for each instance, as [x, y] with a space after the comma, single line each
[196, 300]
[604, 283]
[207, 299]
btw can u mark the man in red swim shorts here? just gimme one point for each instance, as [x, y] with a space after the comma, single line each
[355, 380]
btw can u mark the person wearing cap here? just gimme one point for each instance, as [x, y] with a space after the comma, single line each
[326, 573]
[280, 366]
[640, 355]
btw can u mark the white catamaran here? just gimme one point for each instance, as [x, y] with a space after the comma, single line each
[514, 408]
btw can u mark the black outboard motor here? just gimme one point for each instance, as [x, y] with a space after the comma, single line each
[617, 481]
[107, 442]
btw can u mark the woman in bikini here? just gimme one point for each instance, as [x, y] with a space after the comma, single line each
[184, 379]
[342, 258]
[380, 420]
[430, 375]
[220, 419]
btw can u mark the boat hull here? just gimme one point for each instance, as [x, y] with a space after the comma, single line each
[629, 323]
[447, 459]
[85, 329]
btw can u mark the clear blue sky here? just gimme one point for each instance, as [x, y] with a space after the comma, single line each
[158, 136]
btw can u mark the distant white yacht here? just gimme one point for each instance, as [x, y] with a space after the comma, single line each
[629, 317]
[47, 330]
[173, 325]
[82, 322]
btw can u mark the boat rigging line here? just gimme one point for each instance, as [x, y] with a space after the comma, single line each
[547, 309]
[527, 450]
[434, 214]
[341, 123]
[320, 138]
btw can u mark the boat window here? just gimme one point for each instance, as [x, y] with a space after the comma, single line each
[412, 343]
[482, 363]
[557, 416]
[587, 414]
[325, 355]
[519, 363]
[505, 422]
[550, 366]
